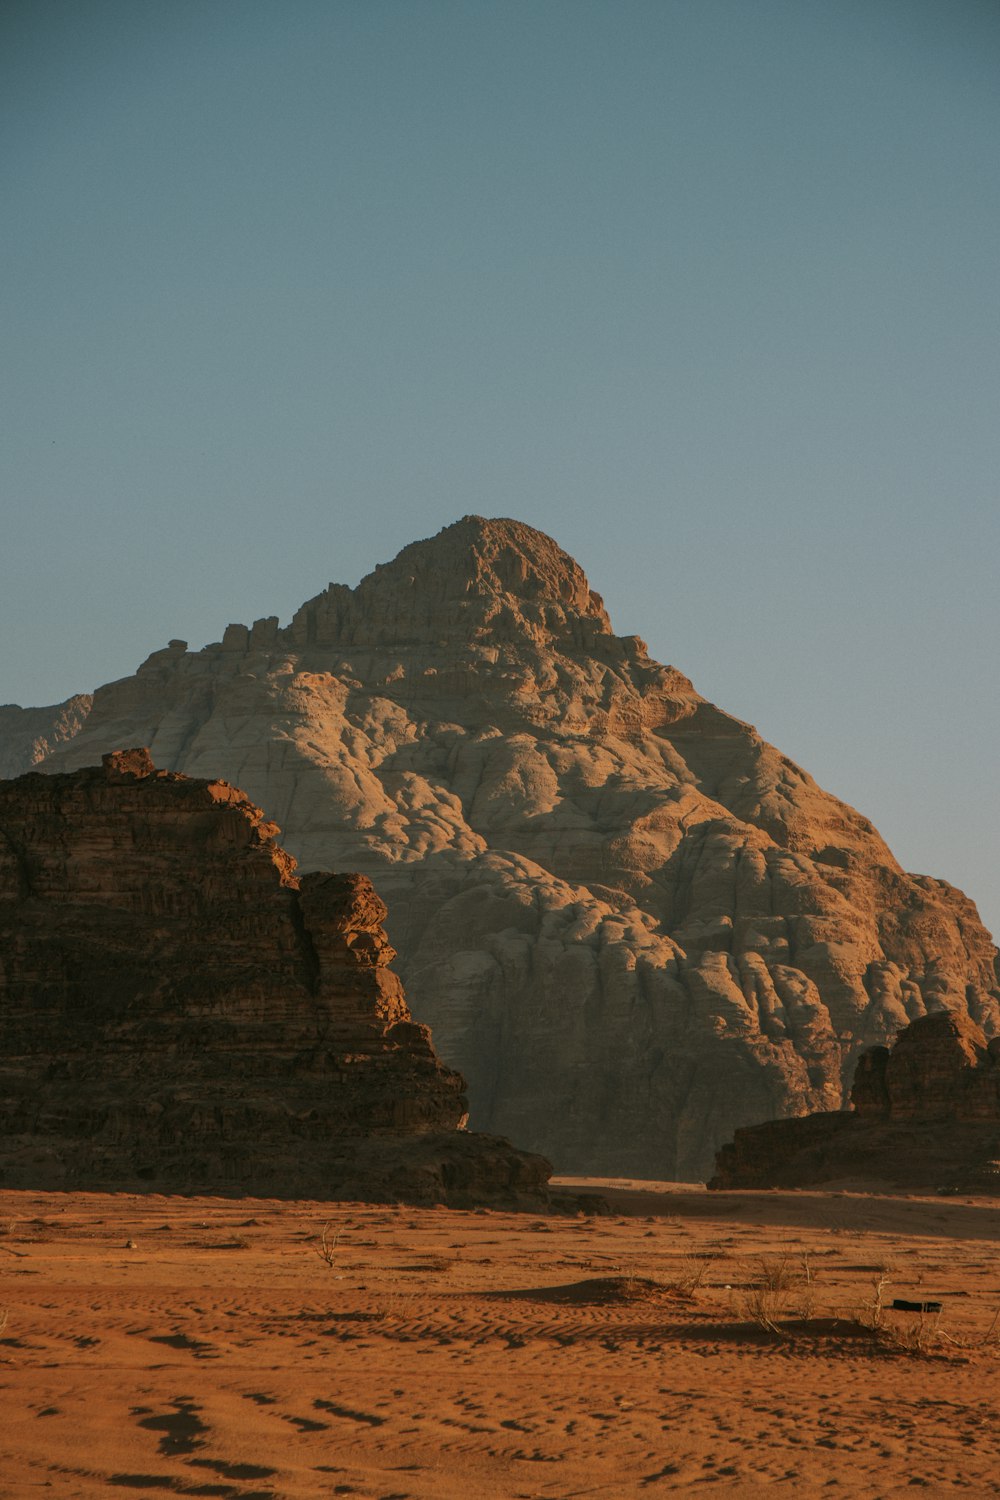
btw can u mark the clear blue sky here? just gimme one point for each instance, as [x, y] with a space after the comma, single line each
[708, 289]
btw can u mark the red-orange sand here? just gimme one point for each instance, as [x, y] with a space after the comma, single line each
[479, 1354]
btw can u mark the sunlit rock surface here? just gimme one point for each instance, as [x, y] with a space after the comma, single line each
[27, 735]
[632, 924]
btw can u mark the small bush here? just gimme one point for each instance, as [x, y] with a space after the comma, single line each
[781, 1288]
[328, 1245]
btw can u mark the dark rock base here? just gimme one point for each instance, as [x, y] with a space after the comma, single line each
[840, 1148]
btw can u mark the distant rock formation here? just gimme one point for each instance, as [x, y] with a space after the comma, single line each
[926, 1114]
[632, 923]
[179, 1009]
[28, 735]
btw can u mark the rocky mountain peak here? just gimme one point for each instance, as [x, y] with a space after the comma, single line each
[495, 558]
[476, 578]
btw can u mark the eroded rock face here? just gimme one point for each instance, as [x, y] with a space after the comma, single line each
[926, 1114]
[940, 1068]
[178, 1007]
[28, 735]
[632, 923]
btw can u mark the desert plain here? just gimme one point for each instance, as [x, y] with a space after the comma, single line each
[680, 1342]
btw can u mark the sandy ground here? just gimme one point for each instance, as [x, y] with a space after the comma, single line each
[479, 1354]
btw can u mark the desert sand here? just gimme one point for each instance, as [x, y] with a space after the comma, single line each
[208, 1346]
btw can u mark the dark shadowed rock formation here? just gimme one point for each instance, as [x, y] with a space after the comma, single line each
[28, 735]
[180, 1009]
[631, 922]
[926, 1114]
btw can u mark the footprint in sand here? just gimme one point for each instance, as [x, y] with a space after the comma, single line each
[348, 1413]
[182, 1427]
[227, 1470]
[304, 1424]
[197, 1347]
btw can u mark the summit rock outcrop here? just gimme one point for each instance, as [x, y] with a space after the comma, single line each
[632, 923]
[179, 1009]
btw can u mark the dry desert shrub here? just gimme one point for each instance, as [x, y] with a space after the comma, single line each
[682, 1281]
[780, 1273]
[988, 1340]
[328, 1245]
[634, 1280]
[629, 1281]
[761, 1306]
[871, 1314]
[690, 1274]
[921, 1333]
[919, 1336]
[391, 1302]
[777, 1290]
[926, 1334]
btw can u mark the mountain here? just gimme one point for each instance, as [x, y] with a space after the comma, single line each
[179, 1009]
[632, 923]
[27, 735]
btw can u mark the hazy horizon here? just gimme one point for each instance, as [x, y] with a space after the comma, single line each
[707, 292]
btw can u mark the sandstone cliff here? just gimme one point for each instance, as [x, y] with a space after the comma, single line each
[179, 1008]
[632, 923]
[27, 735]
[926, 1115]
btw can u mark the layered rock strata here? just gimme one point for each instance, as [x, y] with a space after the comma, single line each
[925, 1114]
[632, 923]
[180, 1009]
